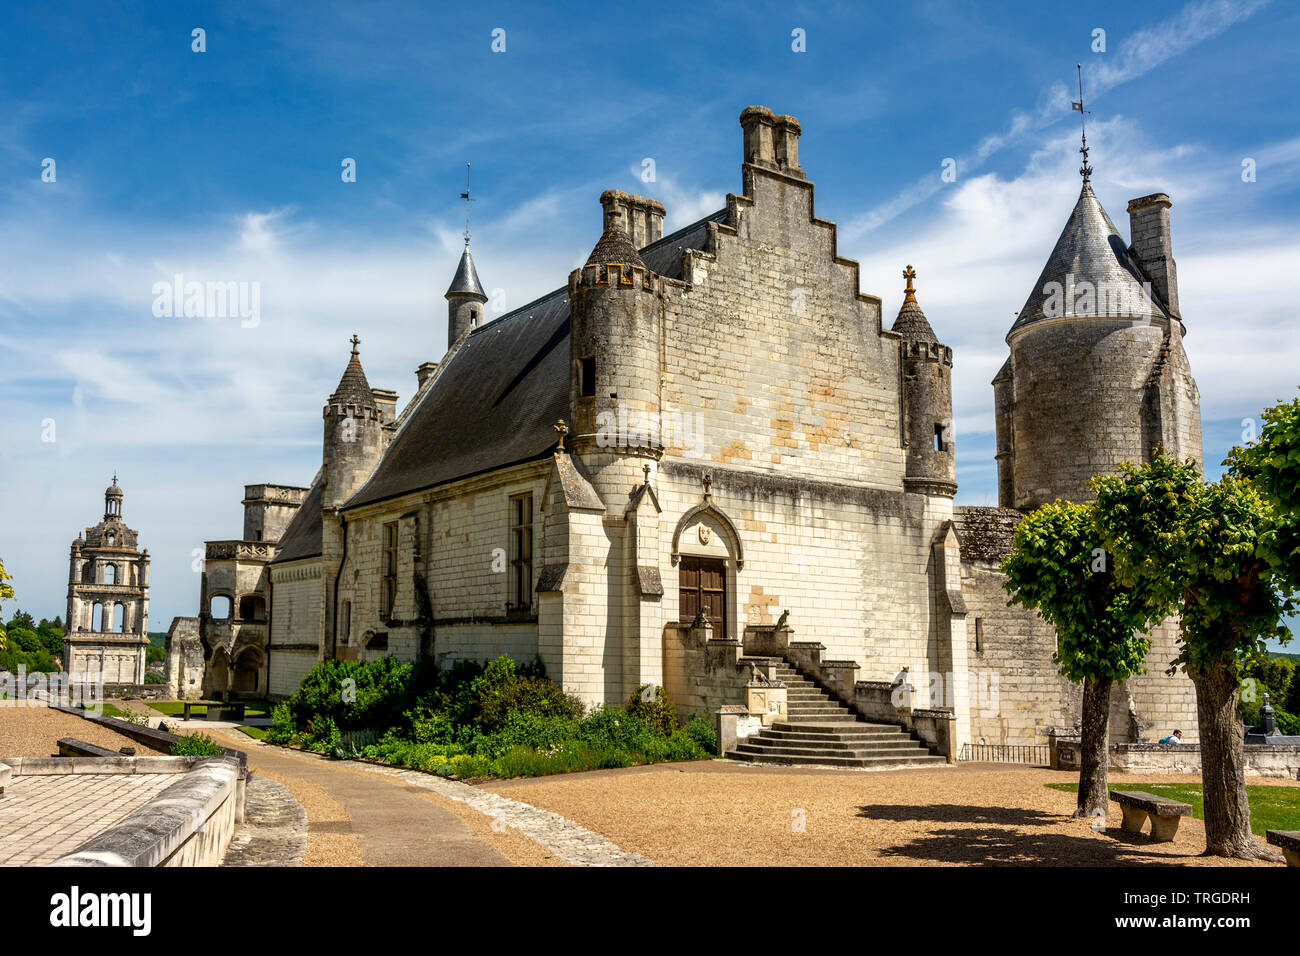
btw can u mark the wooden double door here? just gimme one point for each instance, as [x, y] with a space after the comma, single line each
[703, 584]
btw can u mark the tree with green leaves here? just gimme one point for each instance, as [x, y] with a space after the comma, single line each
[6, 593]
[1272, 464]
[1197, 549]
[1058, 568]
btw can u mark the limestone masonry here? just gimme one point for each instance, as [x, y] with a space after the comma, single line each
[637, 475]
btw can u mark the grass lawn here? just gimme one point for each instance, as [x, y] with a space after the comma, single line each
[1271, 808]
[176, 708]
[257, 733]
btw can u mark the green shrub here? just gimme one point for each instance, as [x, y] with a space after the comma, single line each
[500, 690]
[353, 743]
[197, 745]
[282, 727]
[612, 728]
[526, 729]
[322, 733]
[653, 705]
[152, 677]
[702, 732]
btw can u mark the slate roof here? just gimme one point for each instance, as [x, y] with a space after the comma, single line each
[353, 388]
[302, 539]
[1090, 248]
[615, 245]
[466, 281]
[496, 399]
[985, 534]
[912, 323]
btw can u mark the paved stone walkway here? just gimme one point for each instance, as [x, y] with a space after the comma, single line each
[395, 826]
[274, 831]
[44, 816]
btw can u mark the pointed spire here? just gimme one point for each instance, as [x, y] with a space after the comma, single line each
[465, 282]
[353, 388]
[911, 322]
[1085, 170]
[1089, 272]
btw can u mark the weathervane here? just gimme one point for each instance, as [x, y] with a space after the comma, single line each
[465, 196]
[1085, 170]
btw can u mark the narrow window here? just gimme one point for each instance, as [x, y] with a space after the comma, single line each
[587, 377]
[979, 635]
[388, 591]
[347, 622]
[521, 550]
[110, 574]
[938, 436]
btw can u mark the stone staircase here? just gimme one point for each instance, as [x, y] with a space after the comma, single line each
[819, 729]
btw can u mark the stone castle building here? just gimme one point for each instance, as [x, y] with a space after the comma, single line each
[708, 450]
[108, 601]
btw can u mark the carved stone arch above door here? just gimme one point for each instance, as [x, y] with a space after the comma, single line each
[710, 510]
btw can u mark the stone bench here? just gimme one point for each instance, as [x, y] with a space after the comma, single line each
[1165, 814]
[1289, 843]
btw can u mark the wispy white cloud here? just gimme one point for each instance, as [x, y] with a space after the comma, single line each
[1136, 55]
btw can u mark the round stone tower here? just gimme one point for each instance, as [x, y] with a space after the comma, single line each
[465, 299]
[616, 327]
[354, 433]
[927, 398]
[1097, 374]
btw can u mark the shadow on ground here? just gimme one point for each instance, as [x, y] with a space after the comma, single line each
[996, 836]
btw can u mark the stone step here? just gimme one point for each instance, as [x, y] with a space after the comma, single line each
[820, 719]
[881, 736]
[879, 763]
[840, 728]
[831, 747]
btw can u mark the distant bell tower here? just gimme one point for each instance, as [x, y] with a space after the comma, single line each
[108, 601]
[465, 298]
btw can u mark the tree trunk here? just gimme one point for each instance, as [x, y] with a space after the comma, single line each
[1095, 741]
[1223, 776]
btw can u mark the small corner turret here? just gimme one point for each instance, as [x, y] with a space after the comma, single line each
[354, 432]
[927, 400]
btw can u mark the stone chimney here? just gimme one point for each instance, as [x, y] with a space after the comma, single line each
[771, 141]
[642, 218]
[760, 142]
[423, 373]
[386, 400]
[787, 132]
[1153, 248]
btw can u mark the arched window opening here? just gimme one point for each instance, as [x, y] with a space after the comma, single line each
[219, 607]
[110, 574]
[97, 618]
[119, 617]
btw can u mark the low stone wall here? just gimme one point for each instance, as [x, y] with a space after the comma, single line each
[191, 823]
[1260, 760]
[162, 741]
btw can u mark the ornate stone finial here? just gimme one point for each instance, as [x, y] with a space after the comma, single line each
[561, 429]
[708, 485]
[355, 342]
[646, 469]
[909, 293]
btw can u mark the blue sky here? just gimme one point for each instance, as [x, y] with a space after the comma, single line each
[225, 166]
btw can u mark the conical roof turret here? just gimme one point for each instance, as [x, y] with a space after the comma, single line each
[1089, 272]
[615, 245]
[911, 322]
[353, 388]
[465, 282]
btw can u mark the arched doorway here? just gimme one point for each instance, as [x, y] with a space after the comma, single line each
[246, 679]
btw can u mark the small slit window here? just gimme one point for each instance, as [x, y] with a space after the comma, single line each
[587, 377]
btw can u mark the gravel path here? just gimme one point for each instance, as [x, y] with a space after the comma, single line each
[720, 813]
[35, 732]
